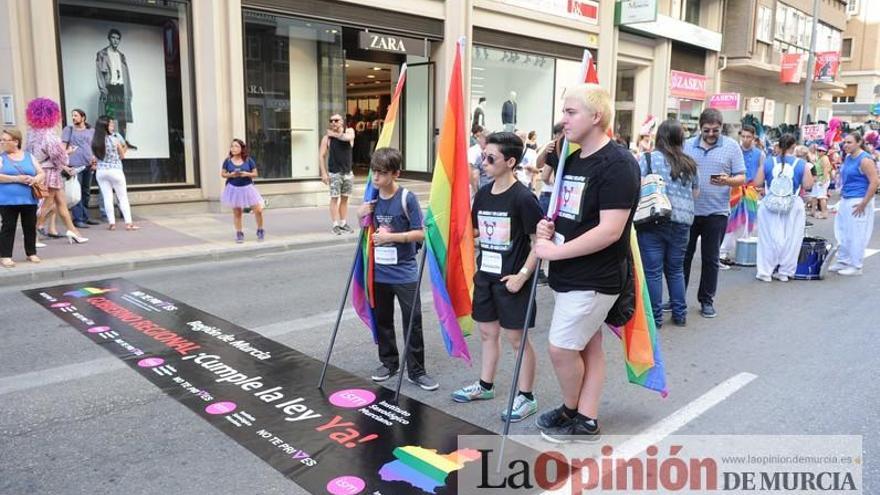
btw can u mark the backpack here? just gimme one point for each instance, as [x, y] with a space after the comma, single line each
[780, 195]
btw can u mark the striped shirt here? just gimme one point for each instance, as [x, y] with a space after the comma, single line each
[725, 157]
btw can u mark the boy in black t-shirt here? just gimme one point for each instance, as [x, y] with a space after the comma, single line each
[587, 246]
[505, 214]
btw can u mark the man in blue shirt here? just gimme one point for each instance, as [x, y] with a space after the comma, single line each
[720, 166]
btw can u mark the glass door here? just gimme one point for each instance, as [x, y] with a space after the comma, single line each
[418, 117]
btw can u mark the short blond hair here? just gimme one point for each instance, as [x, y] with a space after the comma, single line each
[14, 133]
[595, 98]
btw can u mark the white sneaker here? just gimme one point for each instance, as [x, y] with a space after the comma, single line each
[723, 267]
[850, 271]
[40, 244]
[780, 277]
[763, 278]
[837, 266]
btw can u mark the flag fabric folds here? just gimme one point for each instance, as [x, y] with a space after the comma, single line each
[362, 297]
[449, 236]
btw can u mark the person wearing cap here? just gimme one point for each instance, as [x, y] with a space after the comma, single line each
[819, 193]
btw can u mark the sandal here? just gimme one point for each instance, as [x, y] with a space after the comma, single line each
[112, 226]
[7, 262]
[34, 258]
[132, 226]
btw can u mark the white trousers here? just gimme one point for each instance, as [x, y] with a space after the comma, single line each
[780, 237]
[853, 233]
[110, 180]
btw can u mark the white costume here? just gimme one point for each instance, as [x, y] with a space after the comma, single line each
[853, 233]
[780, 235]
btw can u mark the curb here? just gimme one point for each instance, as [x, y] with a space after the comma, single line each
[208, 254]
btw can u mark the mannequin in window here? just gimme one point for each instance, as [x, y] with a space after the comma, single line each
[479, 114]
[508, 113]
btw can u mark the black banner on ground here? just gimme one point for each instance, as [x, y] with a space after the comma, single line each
[344, 440]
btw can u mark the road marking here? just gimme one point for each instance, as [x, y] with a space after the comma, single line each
[871, 252]
[86, 369]
[683, 416]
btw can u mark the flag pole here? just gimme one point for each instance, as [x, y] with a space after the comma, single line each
[341, 309]
[412, 315]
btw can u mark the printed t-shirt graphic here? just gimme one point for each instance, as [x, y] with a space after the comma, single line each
[505, 222]
[573, 187]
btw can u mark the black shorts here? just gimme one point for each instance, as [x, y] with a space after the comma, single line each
[492, 301]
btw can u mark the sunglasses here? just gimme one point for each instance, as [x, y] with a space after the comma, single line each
[335, 120]
[706, 130]
[490, 159]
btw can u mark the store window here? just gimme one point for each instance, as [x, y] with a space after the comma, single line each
[846, 48]
[518, 88]
[294, 78]
[132, 60]
[764, 28]
[692, 12]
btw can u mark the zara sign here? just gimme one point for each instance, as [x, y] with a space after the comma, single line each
[394, 44]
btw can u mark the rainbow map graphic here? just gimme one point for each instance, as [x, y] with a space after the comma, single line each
[425, 468]
[87, 291]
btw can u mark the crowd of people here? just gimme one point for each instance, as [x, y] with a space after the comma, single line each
[43, 169]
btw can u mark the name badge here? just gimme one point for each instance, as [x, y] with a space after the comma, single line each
[385, 255]
[558, 239]
[491, 262]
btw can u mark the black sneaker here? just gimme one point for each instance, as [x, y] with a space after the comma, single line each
[707, 310]
[382, 373]
[574, 430]
[337, 230]
[425, 382]
[553, 418]
[679, 322]
[667, 307]
[347, 229]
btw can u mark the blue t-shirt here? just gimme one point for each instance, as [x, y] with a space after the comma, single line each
[790, 160]
[752, 158]
[680, 193]
[248, 166]
[724, 157]
[855, 183]
[389, 215]
[14, 193]
[82, 139]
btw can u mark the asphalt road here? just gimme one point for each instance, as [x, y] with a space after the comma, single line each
[73, 419]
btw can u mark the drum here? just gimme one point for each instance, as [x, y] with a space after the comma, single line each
[814, 252]
[747, 251]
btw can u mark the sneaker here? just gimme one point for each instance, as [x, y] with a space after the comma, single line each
[679, 322]
[92, 222]
[337, 230]
[553, 418]
[346, 228]
[837, 266]
[40, 244]
[780, 277]
[707, 310]
[472, 392]
[850, 271]
[382, 373]
[666, 307]
[723, 267]
[724, 260]
[522, 409]
[261, 235]
[763, 278]
[425, 382]
[574, 430]
[239, 237]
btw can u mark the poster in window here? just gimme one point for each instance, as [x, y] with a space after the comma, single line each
[119, 69]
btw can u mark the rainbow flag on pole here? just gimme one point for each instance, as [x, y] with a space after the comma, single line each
[449, 234]
[362, 282]
[641, 347]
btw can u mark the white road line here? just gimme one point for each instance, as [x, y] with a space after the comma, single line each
[871, 252]
[85, 369]
[683, 416]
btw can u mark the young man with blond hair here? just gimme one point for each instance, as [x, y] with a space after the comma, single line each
[588, 249]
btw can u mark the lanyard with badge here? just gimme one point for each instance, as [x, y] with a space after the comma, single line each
[384, 255]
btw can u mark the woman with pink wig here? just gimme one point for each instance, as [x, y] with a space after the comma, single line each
[43, 115]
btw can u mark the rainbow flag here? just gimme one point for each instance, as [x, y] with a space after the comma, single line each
[362, 297]
[743, 210]
[449, 234]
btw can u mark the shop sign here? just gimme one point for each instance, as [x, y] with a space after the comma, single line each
[368, 40]
[755, 104]
[827, 65]
[725, 101]
[812, 132]
[769, 111]
[791, 68]
[581, 10]
[687, 85]
[635, 11]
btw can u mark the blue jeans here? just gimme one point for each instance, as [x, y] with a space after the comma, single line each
[663, 248]
[80, 210]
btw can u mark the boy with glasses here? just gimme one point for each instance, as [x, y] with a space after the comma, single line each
[336, 158]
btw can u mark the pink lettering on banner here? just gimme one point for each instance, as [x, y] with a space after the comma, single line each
[98, 329]
[151, 362]
[61, 305]
[687, 85]
[725, 101]
[221, 408]
[346, 485]
[353, 398]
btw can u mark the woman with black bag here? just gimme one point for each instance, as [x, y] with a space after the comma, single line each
[663, 243]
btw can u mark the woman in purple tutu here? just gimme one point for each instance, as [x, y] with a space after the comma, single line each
[239, 171]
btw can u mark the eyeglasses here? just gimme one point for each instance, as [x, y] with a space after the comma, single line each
[490, 159]
[707, 130]
[335, 120]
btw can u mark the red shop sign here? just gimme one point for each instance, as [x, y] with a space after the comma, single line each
[687, 85]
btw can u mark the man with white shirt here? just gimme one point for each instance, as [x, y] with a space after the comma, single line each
[114, 84]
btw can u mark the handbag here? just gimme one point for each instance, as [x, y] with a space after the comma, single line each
[654, 205]
[38, 189]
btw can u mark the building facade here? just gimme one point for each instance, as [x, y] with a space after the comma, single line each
[860, 56]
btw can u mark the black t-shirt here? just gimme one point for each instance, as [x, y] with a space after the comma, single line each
[505, 222]
[609, 179]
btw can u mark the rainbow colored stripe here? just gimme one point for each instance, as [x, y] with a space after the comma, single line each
[744, 210]
[87, 291]
[423, 468]
[448, 229]
[362, 296]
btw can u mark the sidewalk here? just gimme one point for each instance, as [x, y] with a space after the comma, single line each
[174, 234]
